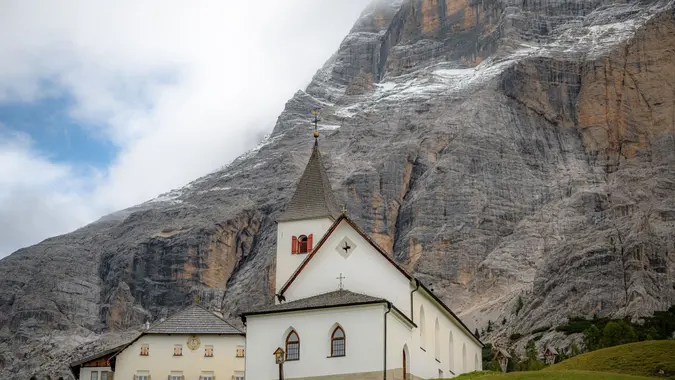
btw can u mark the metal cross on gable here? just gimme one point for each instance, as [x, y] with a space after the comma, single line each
[341, 277]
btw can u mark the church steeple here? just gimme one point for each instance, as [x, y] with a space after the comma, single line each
[313, 197]
[309, 214]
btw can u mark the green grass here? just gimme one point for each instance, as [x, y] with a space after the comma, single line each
[555, 375]
[642, 358]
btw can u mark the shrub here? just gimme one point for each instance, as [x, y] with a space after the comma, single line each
[616, 333]
[592, 338]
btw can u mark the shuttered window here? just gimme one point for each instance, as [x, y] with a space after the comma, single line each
[302, 244]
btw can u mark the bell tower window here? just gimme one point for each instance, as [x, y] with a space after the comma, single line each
[302, 244]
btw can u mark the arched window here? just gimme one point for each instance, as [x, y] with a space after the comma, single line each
[301, 244]
[437, 341]
[337, 342]
[451, 353]
[463, 357]
[423, 332]
[292, 346]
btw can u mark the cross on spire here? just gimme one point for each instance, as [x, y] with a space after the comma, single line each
[315, 112]
[341, 277]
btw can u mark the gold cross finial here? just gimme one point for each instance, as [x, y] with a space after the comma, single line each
[315, 112]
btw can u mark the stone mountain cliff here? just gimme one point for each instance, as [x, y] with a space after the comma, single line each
[498, 148]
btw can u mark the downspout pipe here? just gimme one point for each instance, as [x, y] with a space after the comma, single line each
[385, 339]
[412, 308]
[243, 320]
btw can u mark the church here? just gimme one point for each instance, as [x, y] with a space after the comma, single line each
[344, 308]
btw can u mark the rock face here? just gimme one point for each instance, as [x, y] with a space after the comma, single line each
[498, 148]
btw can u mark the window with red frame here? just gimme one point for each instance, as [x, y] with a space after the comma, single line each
[302, 244]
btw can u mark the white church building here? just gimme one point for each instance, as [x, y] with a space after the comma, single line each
[344, 309]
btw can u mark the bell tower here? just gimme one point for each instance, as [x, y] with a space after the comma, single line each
[308, 215]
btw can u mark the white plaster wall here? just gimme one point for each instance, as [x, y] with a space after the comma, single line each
[286, 261]
[365, 269]
[161, 362]
[424, 362]
[364, 331]
[85, 372]
[399, 334]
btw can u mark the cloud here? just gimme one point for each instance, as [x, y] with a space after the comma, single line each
[38, 198]
[178, 89]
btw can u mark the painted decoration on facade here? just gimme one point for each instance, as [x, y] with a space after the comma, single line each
[345, 247]
[193, 342]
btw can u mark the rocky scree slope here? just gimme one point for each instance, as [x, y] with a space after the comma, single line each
[500, 149]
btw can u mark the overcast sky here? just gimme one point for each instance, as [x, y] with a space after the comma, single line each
[106, 106]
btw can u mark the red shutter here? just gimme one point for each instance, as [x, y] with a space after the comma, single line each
[294, 245]
[309, 243]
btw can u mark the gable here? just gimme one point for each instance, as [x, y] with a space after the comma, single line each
[366, 268]
[342, 219]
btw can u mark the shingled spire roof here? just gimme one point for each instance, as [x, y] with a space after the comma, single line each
[313, 196]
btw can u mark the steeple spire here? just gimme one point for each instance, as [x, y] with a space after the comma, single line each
[313, 197]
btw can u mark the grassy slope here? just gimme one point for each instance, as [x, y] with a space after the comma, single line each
[642, 358]
[560, 375]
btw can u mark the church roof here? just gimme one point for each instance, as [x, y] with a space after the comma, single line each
[313, 197]
[321, 301]
[194, 320]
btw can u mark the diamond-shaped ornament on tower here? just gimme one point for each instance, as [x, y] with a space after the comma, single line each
[345, 247]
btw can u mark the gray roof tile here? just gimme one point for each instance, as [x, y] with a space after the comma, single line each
[313, 197]
[332, 299]
[193, 320]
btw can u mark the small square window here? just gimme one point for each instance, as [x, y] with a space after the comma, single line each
[240, 351]
[142, 377]
[208, 351]
[178, 350]
[145, 349]
[175, 377]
